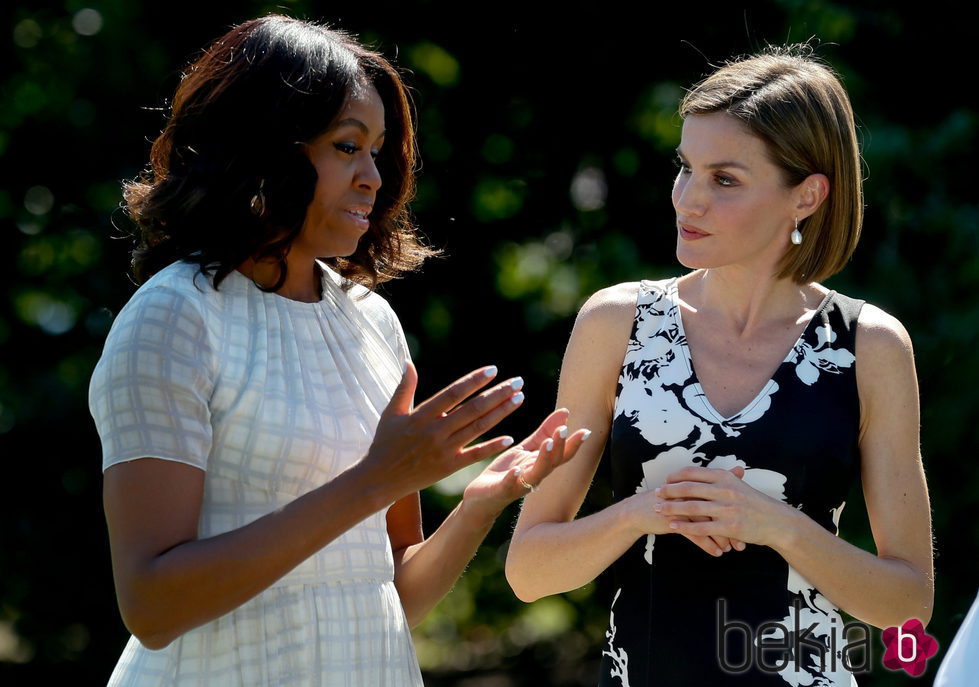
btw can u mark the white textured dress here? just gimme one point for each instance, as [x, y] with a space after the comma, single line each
[272, 398]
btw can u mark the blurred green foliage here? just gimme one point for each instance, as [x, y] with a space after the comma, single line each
[546, 139]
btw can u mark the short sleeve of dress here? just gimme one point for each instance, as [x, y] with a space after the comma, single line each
[150, 390]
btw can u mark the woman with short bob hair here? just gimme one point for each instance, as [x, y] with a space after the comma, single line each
[262, 453]
[740, 403]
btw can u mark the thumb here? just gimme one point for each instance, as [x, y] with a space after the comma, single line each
[403, 397]
[738, 471]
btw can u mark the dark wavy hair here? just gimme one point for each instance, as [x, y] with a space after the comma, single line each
[239, 120]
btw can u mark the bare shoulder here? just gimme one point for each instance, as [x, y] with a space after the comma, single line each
[886, 378]
[881, 338]
[611, 307]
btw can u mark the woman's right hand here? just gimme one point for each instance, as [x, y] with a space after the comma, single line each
[416, 447]
[648, 521]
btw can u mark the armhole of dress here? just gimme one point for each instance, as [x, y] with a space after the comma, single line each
[642, 293]
[849, 315]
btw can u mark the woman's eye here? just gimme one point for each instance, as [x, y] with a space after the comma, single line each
[375, 153]
[682, 165]
[346, 148]
[723, 180]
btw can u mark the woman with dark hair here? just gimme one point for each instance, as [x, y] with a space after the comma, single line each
[741, 402]
[261, 452]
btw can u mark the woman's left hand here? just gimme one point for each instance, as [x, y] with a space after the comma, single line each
[514, 472]
[735, 508]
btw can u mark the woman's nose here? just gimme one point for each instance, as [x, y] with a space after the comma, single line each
[688, 196]
[368, 176]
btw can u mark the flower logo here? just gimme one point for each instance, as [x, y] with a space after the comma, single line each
[908, 647]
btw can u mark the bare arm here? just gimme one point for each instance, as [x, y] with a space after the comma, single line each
[898, 583]
[169, 581]
[884, 589]
[426, 569]
[551, 551]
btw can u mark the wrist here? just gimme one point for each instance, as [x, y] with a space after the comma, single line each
[476, 514]
[786, 530]
[627, 518]
[373, 490]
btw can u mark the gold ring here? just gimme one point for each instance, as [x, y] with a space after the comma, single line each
[527, 485]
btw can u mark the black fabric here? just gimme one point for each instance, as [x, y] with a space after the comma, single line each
[803, 427]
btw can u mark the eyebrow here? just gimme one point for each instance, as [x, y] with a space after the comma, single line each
[354, 122]
[724, 164]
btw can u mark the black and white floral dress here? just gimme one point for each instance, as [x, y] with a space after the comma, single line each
[680, 616]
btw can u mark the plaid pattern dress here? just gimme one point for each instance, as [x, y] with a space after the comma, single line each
[271, 398]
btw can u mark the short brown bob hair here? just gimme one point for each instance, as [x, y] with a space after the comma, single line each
[239, 122]
[797, 106]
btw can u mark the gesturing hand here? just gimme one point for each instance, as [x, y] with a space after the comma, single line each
[507, 478]
[415, 447]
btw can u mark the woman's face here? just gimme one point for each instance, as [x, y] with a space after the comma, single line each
[348, 180]
[732, 206]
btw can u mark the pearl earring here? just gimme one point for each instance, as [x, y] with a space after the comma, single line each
[796, 236]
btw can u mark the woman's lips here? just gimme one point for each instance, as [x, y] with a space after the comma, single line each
[690, 233]
[359, 216]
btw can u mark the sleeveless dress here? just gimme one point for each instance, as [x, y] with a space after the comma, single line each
[680, 616]
[271, 398]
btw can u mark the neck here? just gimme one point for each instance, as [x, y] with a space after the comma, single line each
[746, 299]
[302, 278]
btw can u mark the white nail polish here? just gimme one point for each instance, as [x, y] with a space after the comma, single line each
[516, 383]
[562, 431]
[584, 437]
[517, 399]
[507, 442]
[548, 445]
[490, 371]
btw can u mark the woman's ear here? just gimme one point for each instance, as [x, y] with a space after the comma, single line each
[810, 194]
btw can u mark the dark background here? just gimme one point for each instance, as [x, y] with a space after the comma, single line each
[546, 133]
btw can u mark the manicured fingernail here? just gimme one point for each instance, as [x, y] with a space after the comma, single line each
[584, 437]
[562, 431]
[727, 548]
[548, 445]
[490, 371]
[517, 383]
[656, 491]
[507, 442]
[673, 525]
[717, 552]
[658, 507]
[517, 399]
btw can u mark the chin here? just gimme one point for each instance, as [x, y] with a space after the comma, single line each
[691, 260]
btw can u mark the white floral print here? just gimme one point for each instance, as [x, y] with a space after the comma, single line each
[811, 360]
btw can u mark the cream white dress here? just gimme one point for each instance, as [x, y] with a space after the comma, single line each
[272, 398]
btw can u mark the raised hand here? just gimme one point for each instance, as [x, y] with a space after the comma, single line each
[522, 468]
[415, 447]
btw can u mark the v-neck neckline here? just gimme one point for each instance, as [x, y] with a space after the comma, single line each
[674, 295]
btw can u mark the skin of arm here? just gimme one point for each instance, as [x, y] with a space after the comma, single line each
[169, 581]
[426, 569]
[883, 590]
[551, 551]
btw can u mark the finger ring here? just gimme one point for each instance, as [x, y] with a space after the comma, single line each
[527, 485]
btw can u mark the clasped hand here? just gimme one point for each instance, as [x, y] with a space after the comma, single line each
[704, 503]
